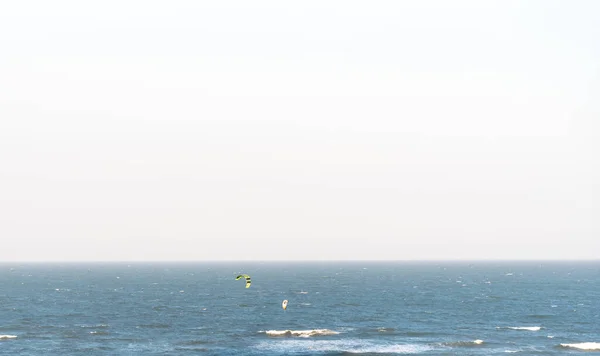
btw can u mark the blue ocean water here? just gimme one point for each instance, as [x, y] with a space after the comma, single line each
[335, 308]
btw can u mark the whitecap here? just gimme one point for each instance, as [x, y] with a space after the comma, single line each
[301, 333]
[384, 329]
[96, 332]
[464, 343]
[528, 328]
[8, 336]
[94, 326]
[584, 346]
[352, 346]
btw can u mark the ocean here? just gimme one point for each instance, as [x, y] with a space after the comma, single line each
[334, 308]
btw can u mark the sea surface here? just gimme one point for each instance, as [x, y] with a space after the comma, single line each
[334, 308]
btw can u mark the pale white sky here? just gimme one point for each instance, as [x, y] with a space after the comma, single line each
[167, 130]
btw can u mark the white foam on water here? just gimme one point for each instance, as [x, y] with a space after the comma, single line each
[96, 332]
[384, 329]
[589, 346]
[463, 343]
[528, 328]
[93, 326]
[350, 346]
[301, 333]
[8, 336]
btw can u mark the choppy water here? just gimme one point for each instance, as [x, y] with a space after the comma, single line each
[335, 308]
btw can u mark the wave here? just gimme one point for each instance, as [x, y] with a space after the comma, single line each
[589, 346]
[385, 330]
[408, 333]
[529, 328]
[464, 343]
[99, 333]
[301, 333]
[8, 337]
[352, 346]
[93, 326]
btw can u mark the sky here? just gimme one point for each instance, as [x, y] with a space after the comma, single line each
[137, 130]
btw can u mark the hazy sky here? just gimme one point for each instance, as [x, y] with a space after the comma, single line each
[165, 130]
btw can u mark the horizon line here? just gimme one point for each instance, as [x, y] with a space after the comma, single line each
[308, 260]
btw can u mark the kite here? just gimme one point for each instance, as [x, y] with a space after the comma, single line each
[248, 282]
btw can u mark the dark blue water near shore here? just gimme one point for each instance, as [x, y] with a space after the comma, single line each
[335, 308]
